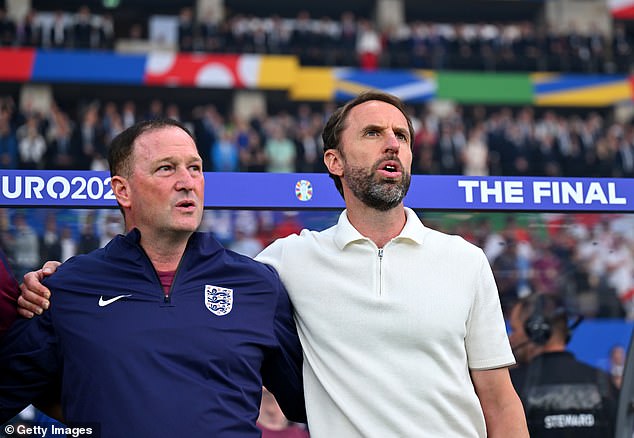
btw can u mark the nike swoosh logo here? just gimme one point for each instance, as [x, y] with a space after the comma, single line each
[103, 303]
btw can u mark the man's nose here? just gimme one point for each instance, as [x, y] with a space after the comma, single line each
[392, 143]
[185, 180]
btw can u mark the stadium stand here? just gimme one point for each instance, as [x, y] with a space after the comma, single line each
[589, 258]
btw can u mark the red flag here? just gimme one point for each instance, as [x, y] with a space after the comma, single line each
[622, 9]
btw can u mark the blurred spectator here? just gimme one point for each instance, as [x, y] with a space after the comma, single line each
[506, 274]
[31, 146]
[289, 224]
[82, 30]
[244, 243]
[252, 155]
[617, 364]
[621, 47]
[348, 38]
[8, 146]
[105, 32]
[224, 152]
[29, 32]
[207, 122]
[369, 45]
[155, 110]
[68, 244]
[449, 147]
[88, 239]
[220, 224]
[186, 29]
[475, 155]
[209, 35]
[279, 36]
[128, 116]
[111, 226]
[280, 151]
[7, 29]
[624, 159]
[59, 152]
[25, 247]
[172, 111]
[50, 244]
[88, 139]
[59, 31]
[546, 270]
[620, 267]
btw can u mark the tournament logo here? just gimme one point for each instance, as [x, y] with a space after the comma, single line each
[304, 190]
[218, 300]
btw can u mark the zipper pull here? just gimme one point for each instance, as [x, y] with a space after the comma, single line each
[380, 253]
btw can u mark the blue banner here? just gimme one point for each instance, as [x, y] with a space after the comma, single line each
[81, 66]
[297, 191]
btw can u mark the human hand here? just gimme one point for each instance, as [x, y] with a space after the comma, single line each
[34, 296]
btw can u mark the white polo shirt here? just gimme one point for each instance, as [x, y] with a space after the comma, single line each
[389, 335]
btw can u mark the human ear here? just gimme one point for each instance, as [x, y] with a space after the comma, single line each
[121, 190]
[333, 161]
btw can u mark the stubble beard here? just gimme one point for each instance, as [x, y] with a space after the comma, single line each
[374, 191]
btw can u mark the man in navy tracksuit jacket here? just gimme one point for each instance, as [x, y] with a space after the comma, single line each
[138, 360]
[146, 365]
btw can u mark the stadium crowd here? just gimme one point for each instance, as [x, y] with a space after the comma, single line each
[348, 40]
[587, 259]
[474, 141]
[590, 257]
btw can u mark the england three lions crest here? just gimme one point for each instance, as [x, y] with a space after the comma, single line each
[218, 300]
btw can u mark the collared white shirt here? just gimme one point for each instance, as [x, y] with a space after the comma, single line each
[389, 334]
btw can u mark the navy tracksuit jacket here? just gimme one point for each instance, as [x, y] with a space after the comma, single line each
[140, 364]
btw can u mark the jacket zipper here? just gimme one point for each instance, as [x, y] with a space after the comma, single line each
[167, 297]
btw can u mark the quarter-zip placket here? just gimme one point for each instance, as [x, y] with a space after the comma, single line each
[167, 297]
[380, 271]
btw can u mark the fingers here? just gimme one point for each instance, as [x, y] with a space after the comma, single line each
[23, 312]
[28, 309]
[33, 282]
[33, 299]
[50, 267]
[34, 296]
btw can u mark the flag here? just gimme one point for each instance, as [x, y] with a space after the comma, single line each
[622, 9]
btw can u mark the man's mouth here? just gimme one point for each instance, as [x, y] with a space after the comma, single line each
[390, 169]
[186, 204]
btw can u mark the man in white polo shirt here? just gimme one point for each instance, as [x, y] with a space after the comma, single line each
[401, 325]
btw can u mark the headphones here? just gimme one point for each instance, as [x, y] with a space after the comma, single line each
[538, 326]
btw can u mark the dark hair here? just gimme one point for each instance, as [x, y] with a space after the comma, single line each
[543, 315]
[122, 146]
[335, 125]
